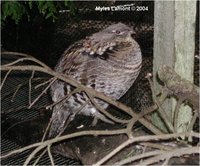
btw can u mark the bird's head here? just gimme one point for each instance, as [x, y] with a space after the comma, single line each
[115, 32]
[107, 39]
[118, 31]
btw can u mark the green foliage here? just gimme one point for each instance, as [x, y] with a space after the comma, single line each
[13, 9]
[16, 10]
[47, 8]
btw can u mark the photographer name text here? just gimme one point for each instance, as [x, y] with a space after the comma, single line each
[121, 8]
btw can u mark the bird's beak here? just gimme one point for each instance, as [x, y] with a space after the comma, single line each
[132, 34]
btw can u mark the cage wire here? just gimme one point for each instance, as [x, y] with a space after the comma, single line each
[69, 29]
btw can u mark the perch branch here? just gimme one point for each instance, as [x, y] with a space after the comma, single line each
[180, 87]
[93, 132]
[67, 79]
[143, 138]
[168, 155]
[61, 138]
[92, 94]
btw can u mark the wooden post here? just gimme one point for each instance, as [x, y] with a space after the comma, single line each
[174, 40]
[163, 48]
[185, 15]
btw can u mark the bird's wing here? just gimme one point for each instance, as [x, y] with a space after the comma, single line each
[79, 65]
[94, 71]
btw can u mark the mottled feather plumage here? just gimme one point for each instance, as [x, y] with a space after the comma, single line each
[108, 61]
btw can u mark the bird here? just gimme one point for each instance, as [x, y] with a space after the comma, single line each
[109, 61]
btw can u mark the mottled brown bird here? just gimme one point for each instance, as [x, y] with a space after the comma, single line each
[108, 61]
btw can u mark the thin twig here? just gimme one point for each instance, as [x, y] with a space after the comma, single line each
[37, 160]
[150, 126]
[115, 151]
[14, 109]
[43, 83]
[50, 155]
[63, 98]
[47, 129]
[139, 157]
[17, 123]
[157, 146]
[33, 154]
[19, 60]
[161, 111]
[136, 118]
[21, 85]
[44, 91]
[4, 79]
[27, 55]
[176, 112]
[143, 152]
[30, 86]
[15, 93]
[105, 112]
[174, 153]
[191, 125]
[15, 53]
[130, 126]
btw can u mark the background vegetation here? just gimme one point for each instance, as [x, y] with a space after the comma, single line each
[17, 10]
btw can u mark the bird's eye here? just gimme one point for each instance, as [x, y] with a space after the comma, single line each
[116, 31]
